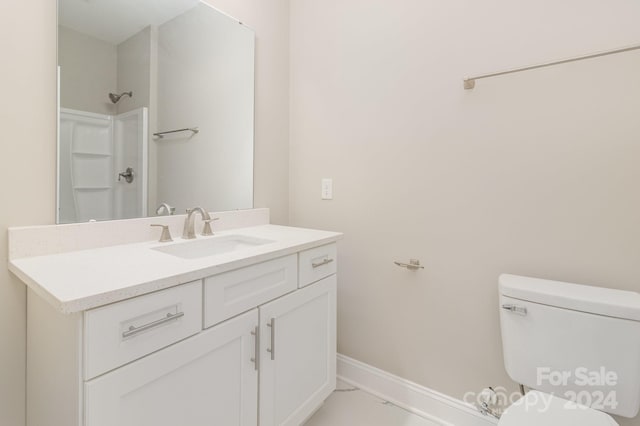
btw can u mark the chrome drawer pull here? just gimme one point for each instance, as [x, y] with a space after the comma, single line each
[135, 330]
[256, 351]
[520, 310]
[272, 349]
[324, 262]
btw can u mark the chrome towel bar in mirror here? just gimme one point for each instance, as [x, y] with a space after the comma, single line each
[160, 135]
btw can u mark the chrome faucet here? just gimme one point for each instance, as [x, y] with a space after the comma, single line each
[189, 232]
[165, 209]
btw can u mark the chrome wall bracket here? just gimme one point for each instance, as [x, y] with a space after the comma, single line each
[413, 265]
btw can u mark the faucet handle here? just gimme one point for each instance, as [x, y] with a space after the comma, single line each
[206, 231]
[165, 237]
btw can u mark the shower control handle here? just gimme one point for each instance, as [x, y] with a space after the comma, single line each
[127, 175]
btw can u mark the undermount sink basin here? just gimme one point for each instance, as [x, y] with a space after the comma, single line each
[211, 246]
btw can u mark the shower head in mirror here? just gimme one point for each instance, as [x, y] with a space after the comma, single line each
[115, 98]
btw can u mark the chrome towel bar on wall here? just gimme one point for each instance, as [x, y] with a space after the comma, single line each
[470, 82]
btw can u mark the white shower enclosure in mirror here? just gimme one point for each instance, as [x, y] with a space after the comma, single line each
[155, 106]
[91, 147]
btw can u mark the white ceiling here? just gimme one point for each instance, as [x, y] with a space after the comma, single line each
[115, 21]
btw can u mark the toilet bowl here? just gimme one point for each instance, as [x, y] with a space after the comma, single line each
[571, 341]
[539, 408]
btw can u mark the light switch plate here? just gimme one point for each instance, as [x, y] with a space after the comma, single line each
[327, 189]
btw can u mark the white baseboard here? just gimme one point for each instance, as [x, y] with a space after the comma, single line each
[422, 401]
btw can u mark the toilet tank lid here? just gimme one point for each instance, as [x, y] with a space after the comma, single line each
[595, 300]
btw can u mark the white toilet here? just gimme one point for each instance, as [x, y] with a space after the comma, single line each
[570, 341]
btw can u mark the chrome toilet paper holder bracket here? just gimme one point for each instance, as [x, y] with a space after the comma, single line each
[413, 265]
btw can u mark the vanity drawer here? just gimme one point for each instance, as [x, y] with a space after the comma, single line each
[234, 292]
[317, 263]
[117, 334]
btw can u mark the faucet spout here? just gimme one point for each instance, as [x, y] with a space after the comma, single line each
[165, 208]
[189, 232]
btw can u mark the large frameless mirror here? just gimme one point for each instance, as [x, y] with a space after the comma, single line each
[155, 109]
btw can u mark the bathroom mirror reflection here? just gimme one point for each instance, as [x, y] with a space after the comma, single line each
[155, 108]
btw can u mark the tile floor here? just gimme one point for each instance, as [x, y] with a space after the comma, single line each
[348, 406]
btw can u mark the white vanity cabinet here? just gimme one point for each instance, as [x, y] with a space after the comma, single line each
[247, 347]
[296, 336]
[208, 379]
[298, 353]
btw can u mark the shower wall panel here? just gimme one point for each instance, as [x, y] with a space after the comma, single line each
[85, 167]
[94, 150]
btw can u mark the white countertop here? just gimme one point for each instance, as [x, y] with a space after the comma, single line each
[81, 280]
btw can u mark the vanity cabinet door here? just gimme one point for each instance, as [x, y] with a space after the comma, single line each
[298, 353]
[209, 379]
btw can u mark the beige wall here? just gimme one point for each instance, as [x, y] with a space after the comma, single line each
[27, 153]
[89, 66]
[532, 174]
[27, 169]
[134, 69]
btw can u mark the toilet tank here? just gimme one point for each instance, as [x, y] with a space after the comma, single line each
[577, 342]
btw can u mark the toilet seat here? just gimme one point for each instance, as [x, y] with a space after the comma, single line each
[539, 408]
